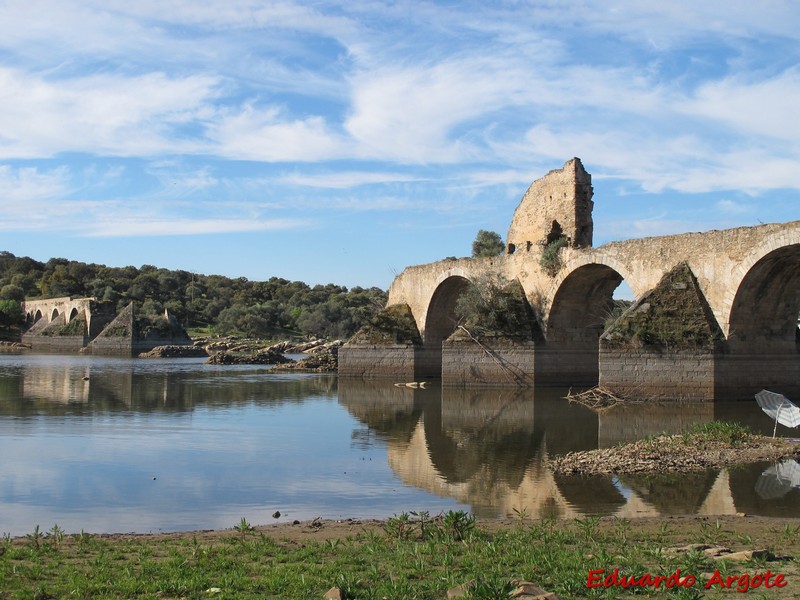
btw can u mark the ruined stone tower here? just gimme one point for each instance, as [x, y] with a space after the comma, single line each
[557, 205]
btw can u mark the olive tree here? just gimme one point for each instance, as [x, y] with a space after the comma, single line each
[487, 243]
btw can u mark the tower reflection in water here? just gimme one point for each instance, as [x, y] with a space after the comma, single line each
[489, 448]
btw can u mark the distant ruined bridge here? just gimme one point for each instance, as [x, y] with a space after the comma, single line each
[746, 279]
[51, 308]
[67, 325]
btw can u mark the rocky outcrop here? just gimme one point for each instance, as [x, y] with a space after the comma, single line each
[263, 357]
[323, 361]
[241, 351]
[13, 347]
[172, 351]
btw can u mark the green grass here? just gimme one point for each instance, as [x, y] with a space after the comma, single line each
[415, 556]
[720, 431]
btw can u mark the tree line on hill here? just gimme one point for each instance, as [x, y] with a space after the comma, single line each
[216, 303]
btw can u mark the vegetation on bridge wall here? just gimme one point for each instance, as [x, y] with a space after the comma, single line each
[673, 316]
[393, 325]
[76, 326]
[493, 308]
[550, 259]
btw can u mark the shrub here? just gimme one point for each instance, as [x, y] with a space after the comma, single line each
[550, 260]
[493, 307]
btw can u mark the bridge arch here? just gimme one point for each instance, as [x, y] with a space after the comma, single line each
[581, 303]
[583, 300]
[440, 318]
[765, 284]
[599, 260]
[73, 314]
[763, 314]
[54, 315]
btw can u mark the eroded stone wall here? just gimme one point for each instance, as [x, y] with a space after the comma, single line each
[557, 205]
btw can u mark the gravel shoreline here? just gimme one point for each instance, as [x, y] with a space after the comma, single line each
[669, 453]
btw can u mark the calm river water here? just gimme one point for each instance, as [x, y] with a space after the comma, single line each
[134, 445]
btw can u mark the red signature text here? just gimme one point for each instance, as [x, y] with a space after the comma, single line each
[599, 578]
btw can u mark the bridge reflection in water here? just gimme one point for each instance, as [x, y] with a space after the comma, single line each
[315, 445]
[489, 449]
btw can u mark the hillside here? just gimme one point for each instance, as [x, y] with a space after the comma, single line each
[210, 302]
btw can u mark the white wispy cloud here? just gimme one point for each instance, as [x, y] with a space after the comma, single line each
[264, 135]
[410, 114]
[344, 179]
[733, 207]
[761, 107]
[99, 114]
[143, 227]
[21, 186]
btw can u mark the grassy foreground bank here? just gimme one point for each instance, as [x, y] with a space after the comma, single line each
[408, 556]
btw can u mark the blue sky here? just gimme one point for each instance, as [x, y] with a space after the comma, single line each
[343, 141]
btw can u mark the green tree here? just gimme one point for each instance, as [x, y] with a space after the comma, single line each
[10, 313]
[487, 243]
[12, 292]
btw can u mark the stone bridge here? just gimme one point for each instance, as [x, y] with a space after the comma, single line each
[746, 279]
[64, 324]
[51, 308]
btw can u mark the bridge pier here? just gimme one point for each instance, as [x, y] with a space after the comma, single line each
[503, 362]
[719, 374]
[659, 375]
[566, 366]
[741, 375]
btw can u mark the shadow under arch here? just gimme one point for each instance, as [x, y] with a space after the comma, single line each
[440, 322]
[763, 347]
[578, 313]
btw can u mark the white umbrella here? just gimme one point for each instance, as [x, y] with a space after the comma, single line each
[776, 481]
[780, 408]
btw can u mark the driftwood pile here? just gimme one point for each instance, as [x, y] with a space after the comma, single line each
[598, 398]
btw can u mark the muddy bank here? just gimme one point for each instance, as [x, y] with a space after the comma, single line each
[671, 453]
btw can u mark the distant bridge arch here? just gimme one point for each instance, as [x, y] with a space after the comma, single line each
[51, 308]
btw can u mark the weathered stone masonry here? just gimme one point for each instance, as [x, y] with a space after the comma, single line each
[749, 277]
[67, 325]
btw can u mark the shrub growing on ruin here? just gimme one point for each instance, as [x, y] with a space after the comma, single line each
[493, 307]
[550, 260]
[393, 325]
[674, 315]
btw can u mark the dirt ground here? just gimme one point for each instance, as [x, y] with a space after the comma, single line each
[764, 531]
